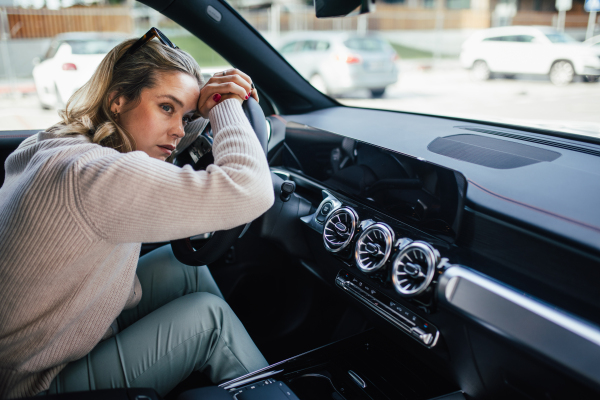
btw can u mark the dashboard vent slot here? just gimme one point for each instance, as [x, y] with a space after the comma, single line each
[490, 152]
[373, 247]
[339, 229]
[413, 268]
[533, 139]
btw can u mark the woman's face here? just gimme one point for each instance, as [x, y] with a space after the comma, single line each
[157, 122]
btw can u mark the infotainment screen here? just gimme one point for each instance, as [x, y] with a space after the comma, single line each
[422, 194]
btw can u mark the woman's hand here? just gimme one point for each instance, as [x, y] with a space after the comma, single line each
[231, 83]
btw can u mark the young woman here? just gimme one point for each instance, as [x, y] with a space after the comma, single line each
[79, 199]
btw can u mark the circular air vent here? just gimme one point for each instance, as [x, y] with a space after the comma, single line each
[373, 247]
[339, 229]
[413, 268]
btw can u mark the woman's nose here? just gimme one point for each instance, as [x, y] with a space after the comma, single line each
[178, 131]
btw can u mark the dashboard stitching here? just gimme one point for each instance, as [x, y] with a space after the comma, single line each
[583, 224]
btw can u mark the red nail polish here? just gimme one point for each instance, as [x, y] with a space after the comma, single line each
[247, 96]
[217, 97]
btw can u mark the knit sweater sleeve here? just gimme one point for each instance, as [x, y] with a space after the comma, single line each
[134, 198]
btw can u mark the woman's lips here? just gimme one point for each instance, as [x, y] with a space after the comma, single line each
[166, 148]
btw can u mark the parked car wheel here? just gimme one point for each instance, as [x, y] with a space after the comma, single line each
[318, 83]
[591, 78]
[480, 71]
[562, 73]
[377, 93]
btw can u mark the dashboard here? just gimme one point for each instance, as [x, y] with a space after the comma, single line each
[414, 244]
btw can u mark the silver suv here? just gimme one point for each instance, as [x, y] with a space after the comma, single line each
[337, 63]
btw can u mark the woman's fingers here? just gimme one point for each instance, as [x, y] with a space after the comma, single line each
[223, 85]
[216, 99]
[232, 78]
[208, 93]
[239, 77]
[234, 71]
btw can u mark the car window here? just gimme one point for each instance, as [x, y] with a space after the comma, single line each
[289, 48]
[525, 38]
[366, 44]
[52, 49]
[558, 37]
[28, 88]
[92, 46]
[495, 39]
[309, 45]
[510, 38]
[322, 45]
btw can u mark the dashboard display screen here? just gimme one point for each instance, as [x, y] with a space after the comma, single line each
[424, 195]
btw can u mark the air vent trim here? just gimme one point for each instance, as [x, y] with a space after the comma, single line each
[388, 239]
[328, 231]
[428, 254]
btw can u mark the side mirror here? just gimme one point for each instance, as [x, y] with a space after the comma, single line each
[343, 8]
[36, 61]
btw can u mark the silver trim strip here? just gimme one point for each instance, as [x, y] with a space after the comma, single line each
[387, 313]
[250, 380]
[357, 379]
[556, 334]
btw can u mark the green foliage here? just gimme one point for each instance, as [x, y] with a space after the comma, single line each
[409, 52]
[202, 53]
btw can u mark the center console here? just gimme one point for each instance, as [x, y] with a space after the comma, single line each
[365, 366]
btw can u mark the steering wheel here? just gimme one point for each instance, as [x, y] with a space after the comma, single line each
[220, 241]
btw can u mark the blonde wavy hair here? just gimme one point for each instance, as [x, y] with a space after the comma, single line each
[88, 111]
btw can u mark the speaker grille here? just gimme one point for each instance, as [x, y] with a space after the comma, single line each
[534, 139]
[490, 152]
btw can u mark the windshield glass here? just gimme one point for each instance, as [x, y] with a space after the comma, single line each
[507, 62]
[490, 61]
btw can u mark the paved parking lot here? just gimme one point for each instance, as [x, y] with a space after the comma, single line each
[445, 90]
[449, 90]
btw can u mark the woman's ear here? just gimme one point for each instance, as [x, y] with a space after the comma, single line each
[116, 103]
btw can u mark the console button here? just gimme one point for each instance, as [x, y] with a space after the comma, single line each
[325, 209]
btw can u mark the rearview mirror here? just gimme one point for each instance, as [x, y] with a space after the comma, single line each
[343, 8]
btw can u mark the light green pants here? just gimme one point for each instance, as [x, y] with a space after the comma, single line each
[181, 324]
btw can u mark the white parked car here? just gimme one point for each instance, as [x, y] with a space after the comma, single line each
[69, 63]
[529, 50]
[593, 42]
[336, 63]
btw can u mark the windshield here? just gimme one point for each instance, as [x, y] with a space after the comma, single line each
[436, 57]
[448, 58]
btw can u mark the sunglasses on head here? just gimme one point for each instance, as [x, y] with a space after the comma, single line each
[148, 36]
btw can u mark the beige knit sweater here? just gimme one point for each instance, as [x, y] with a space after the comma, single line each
[72, 217]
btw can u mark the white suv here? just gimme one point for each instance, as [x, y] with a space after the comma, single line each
[529, 50]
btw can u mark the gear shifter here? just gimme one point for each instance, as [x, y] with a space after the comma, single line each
[287, 188]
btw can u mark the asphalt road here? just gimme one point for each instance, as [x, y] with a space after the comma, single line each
[443, 90]
[525, 100]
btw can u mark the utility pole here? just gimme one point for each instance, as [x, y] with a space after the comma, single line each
[591, 6]
[562, 6]
[4, 36]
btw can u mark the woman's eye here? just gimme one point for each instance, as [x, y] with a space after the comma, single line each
[186, 120]
[167, 108]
